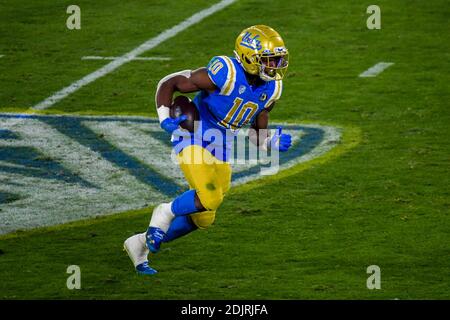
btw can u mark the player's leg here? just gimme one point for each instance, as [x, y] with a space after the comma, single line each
[207, 181]
[208, 184]
[138, 252]
[179, 227]
[224, 175]
[223, 180]
[184, 224]
[203, 177]
[137, 246]
[204, 197]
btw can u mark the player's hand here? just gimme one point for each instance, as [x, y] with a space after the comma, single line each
[280, 141]
[171, 124]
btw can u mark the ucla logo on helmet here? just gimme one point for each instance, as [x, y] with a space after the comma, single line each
[251, 42]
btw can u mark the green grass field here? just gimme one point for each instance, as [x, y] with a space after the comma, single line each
[382, 197]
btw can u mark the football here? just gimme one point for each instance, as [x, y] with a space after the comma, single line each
[183, 105]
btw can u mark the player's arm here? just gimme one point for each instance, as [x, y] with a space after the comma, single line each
[184, 81]
[259, 127]
[260, 135]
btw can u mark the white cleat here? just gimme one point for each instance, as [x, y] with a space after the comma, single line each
[137, 249]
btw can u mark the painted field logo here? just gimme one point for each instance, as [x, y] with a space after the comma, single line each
[56, 169]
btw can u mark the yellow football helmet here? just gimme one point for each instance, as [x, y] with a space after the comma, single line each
[261, 51]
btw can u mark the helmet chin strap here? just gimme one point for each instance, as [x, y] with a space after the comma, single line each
[237, 56]
[263, 75]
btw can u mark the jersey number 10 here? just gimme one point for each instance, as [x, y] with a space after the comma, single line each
[239, 115]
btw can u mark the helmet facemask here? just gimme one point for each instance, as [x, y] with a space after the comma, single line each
[272, 66]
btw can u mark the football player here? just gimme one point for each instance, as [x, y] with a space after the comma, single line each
[232, 92]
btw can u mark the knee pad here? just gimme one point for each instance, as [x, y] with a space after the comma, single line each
[203, 219]
[210, 200]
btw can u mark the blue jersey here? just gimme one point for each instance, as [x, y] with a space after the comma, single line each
[232, 105]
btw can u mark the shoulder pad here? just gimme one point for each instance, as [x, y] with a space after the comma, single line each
[222, 72]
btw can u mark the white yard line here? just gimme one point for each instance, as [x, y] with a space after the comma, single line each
[114, 58]
[376, 69]
[150, 44]
[2, 55]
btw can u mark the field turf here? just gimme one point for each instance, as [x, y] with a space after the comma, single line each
[382, 197]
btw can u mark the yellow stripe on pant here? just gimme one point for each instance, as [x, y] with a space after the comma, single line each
[209, 177]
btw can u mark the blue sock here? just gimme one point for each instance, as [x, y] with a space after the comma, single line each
[184, 204]
[180, 226]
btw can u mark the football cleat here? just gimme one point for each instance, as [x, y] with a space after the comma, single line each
[138, 252]
[145, 269]
[154, 237]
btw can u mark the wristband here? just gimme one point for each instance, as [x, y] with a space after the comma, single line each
[163, 113]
